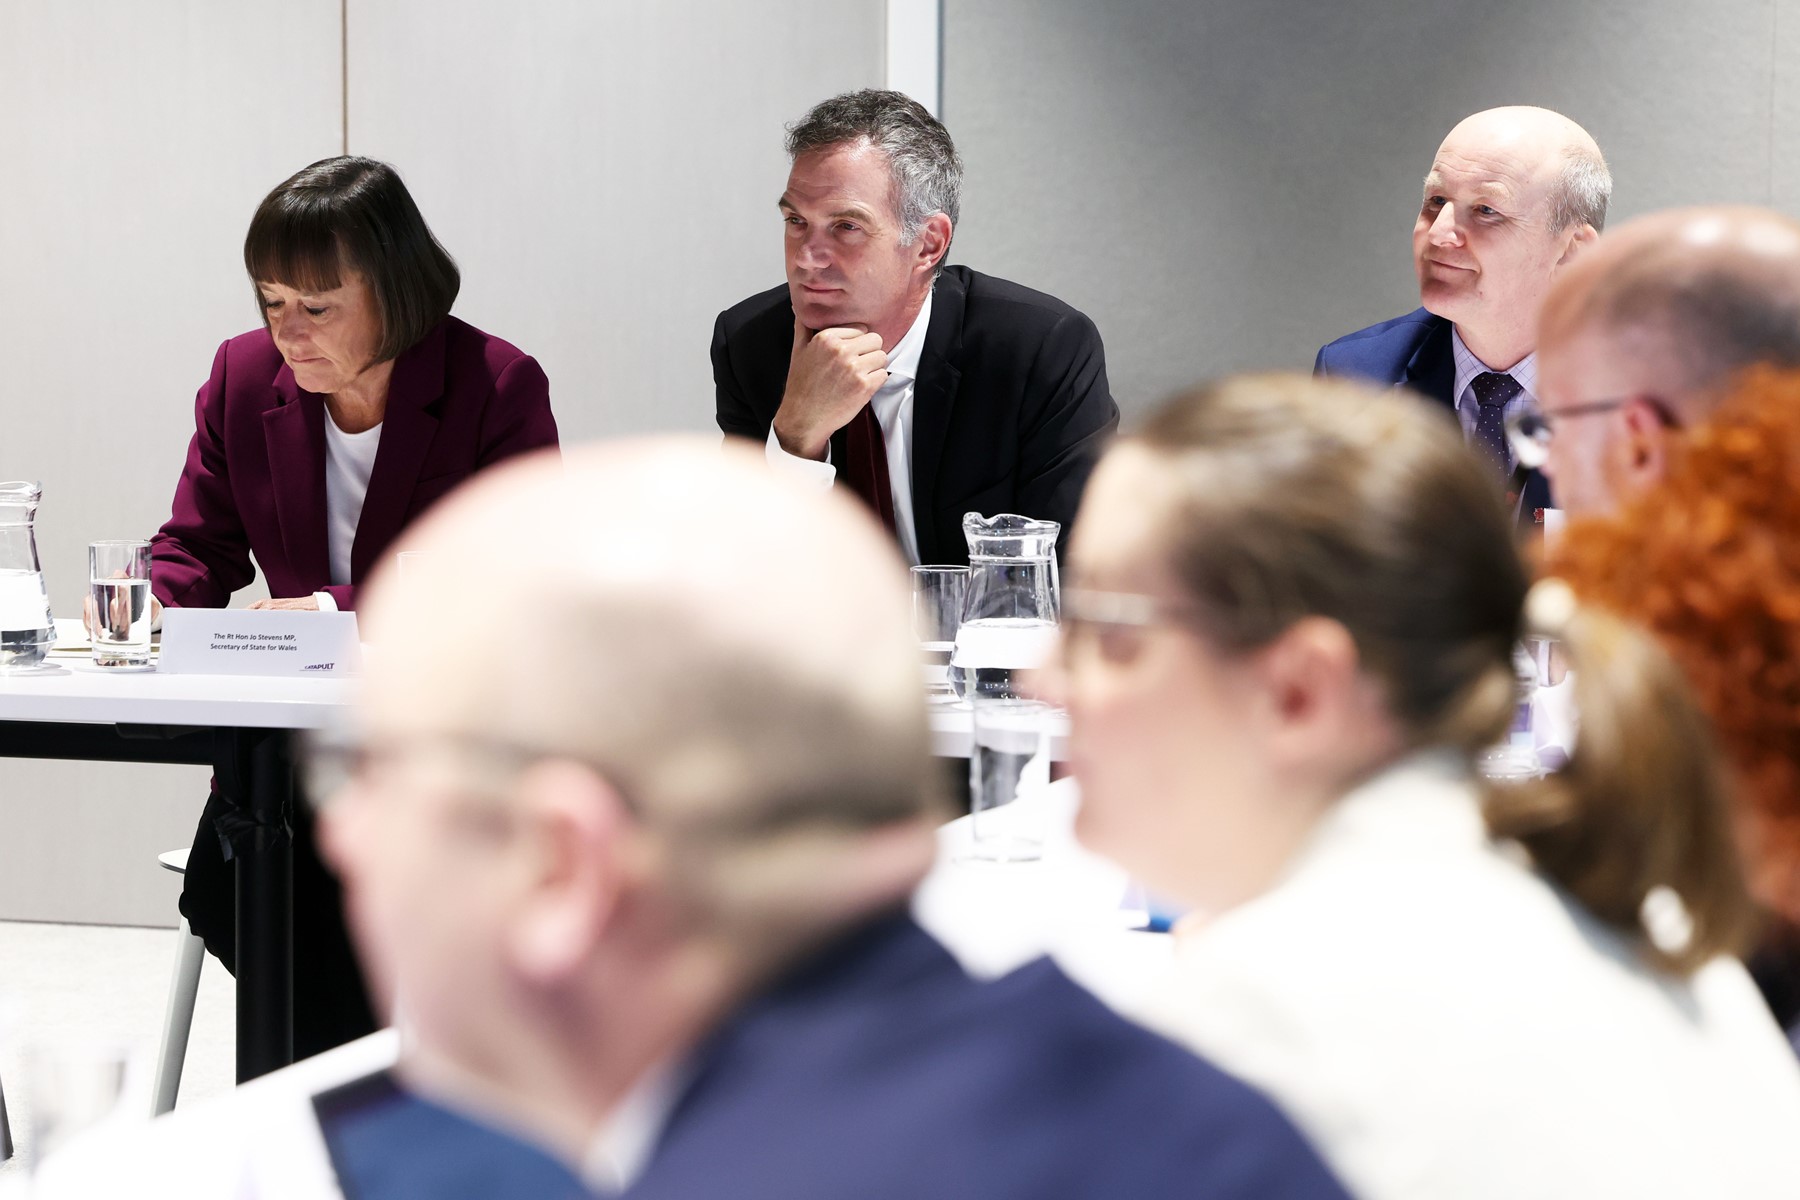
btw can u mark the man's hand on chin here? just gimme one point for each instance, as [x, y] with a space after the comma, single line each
[831, 375]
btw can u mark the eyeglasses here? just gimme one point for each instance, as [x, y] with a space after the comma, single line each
[1529, 431]
[1116, 621]
[330, 761]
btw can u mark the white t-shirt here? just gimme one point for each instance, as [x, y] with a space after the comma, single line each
[349, 459]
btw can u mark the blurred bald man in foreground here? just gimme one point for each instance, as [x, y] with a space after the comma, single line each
[1514, 196]
[629, 832]
[1642, 338]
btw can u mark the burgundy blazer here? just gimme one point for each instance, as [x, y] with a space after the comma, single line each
[255, 477]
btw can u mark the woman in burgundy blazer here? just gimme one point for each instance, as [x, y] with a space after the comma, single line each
[459, 400]
[318, 438]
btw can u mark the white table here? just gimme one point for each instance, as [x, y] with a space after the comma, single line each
[951, 732]
[75, 691]
[1072, 905]
[239, 727]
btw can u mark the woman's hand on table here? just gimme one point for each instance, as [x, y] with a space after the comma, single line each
[295, 604]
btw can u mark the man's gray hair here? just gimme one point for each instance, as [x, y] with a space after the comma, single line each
[1581, 192]
[922, 160]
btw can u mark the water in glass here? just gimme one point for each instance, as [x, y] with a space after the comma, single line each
[119, 602]
[1009, 772]
[937, 605]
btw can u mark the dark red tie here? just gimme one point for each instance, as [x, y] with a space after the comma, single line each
[866, 466]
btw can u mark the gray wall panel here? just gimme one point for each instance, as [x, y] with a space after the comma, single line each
[136, 141]
[1227, 186]
[605, 174]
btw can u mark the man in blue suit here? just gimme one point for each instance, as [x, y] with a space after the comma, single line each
[639, 887]
[1513, 196]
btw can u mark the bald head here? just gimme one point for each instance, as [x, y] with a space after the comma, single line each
[1681, 300]
[637, 727]
[729, 651]
[1643, 337]
[1514, 195]
[1545, 145]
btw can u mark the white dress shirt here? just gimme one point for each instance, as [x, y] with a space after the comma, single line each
[621, 1149]
[1468, 408]
[1442, 1021]
[349, 461]
[893, 405]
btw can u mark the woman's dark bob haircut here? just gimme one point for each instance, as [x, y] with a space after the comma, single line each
[354, 214]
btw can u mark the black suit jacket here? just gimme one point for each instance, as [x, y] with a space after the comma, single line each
[1414, 351]
[1010, 408]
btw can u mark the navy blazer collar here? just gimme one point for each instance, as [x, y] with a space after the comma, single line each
[1431, 371]
[871, 960]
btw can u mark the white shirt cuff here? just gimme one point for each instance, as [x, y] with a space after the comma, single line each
[809, 470]
[326, 603]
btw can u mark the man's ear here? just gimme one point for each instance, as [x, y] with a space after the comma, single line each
[1579, 243]
[933, 241]
[574, 856]
[1646, 443]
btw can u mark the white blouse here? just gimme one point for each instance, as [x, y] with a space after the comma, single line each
[1443, 1022]
[349, 461]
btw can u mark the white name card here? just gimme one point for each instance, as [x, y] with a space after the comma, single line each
[239, 641]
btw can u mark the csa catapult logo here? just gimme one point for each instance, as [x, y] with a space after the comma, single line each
[324, 666]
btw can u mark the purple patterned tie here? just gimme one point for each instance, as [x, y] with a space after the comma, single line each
[1494, 390]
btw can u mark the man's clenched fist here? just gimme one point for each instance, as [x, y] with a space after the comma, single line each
[831, 376]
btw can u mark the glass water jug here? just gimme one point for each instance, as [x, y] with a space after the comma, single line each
[1011, 608]
[26, 628]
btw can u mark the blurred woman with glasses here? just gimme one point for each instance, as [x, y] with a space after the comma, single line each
[1289, 633]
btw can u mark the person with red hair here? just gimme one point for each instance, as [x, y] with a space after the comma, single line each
[1709, 561]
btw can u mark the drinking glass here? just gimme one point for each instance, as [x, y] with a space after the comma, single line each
[1009, 776]
[76, 1084]
[937, 605]
[119, 603]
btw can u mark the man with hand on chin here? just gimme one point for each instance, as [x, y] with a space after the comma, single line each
[1513, 197]
[928, 391]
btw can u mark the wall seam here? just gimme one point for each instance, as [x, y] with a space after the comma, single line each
[344, 74]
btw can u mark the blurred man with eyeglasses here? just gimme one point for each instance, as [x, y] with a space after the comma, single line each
[1642, 338]
[1514, 196]
[628, 836]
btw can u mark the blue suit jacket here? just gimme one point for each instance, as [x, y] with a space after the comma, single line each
[1414, 351]
[880, 1071]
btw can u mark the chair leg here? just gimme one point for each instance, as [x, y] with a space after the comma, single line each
[178, 1019]
[6, 1142]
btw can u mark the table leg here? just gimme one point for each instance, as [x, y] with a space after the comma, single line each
[265, 908]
